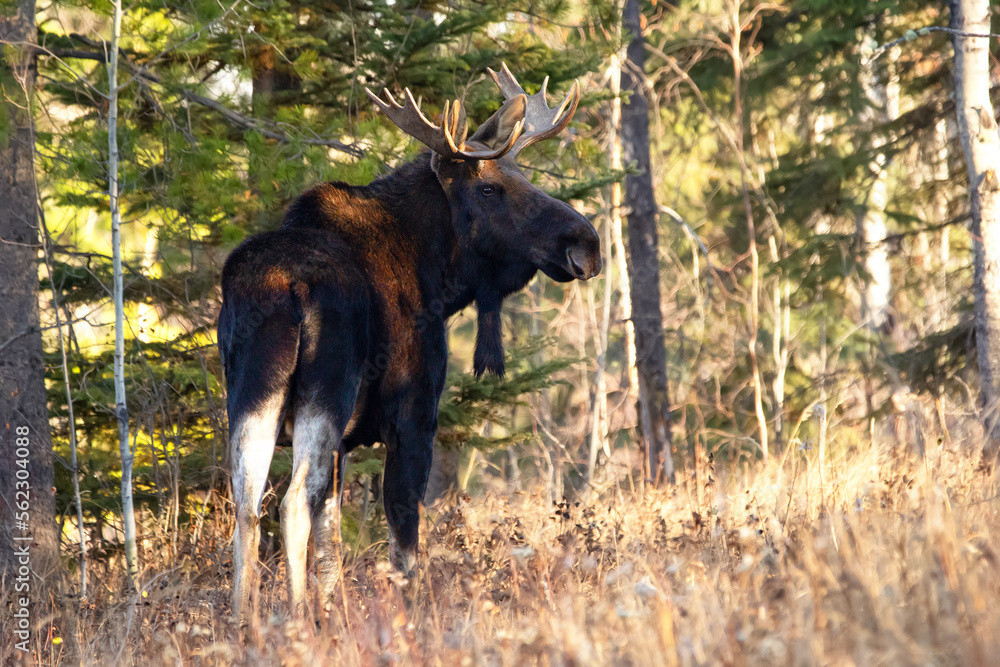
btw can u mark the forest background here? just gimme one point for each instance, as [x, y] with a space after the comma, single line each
[798, 170]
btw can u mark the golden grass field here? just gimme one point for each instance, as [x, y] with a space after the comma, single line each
[878, 561]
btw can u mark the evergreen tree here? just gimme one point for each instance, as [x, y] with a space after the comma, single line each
[26, 463]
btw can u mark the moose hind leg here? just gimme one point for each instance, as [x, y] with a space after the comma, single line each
[252, 445]
[315, 441]
[326, 530]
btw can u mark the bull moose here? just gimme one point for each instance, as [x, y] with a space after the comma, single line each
[333, 325]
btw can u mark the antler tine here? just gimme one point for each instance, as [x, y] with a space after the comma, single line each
[541, 122]
[447, 139]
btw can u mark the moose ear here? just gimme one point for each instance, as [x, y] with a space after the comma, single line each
[497, 131]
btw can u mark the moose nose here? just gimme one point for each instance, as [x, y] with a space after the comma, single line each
[583, 264]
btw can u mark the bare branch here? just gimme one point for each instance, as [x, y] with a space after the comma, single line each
[923, 32]
[20, 334]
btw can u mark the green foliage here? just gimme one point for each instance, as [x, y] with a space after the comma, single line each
[197, 178]
[468, 402]
[935, 364]
[284, 76]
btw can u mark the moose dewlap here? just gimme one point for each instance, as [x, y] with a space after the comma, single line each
[335, 322]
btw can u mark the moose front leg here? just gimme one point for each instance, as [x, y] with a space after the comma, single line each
[407, 467]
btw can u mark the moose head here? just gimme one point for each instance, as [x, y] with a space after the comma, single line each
[509, 227]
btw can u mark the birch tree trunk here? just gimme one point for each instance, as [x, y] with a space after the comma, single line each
[881, 87]
[644, 267]
[599, 419]
[758, 389]
[939, 159]
[25, 440]
[125, 451]
[981, 145]
[631, 379]
[598, 434]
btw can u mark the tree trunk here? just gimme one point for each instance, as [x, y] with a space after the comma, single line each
[754, 315]
[881, 88]
[25, 440]
[981, 144]
[599, 435]
[121, 409]
[444, 473]
[940, 312]
[630, 380]
[262, 82]
[599, 405]
[644, 265]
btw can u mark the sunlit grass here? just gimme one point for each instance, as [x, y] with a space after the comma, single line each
[878, 560]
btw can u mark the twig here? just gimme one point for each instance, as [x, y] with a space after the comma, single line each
[697, 239]
[71, 419]
[58, 55]
[190, 38]
[254, 124]
[911, 35]
[24, 332]
[893, 238]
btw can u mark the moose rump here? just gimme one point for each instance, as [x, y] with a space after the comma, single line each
[294, 337]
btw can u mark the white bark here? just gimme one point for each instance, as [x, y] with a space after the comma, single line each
[598, 436]
[981, 145]
[781, 293]
[872, 228]
[780, 285]
[738, 117]
[599, 407]
[937, 157]
[878, 288]
[816, 128]
[125, 451]
[624, 288]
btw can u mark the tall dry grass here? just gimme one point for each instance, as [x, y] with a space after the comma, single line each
[872, 560]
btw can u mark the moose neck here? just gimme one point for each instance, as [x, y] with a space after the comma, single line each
[451, 273]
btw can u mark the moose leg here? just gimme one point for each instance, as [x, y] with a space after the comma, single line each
[252, 446]
[326, 531]
[407, 467]
[314, 443]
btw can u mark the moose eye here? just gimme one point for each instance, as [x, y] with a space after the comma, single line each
[488, 190]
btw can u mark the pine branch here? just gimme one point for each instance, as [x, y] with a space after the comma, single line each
[142, 75]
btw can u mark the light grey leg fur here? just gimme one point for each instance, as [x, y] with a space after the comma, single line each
[252, 444]
[315, 440]
[326, 534]
[404, 560]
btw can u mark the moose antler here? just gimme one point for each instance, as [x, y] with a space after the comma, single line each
[448, 139]
[540, 121]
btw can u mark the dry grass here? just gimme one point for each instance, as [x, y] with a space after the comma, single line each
[882, 562]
